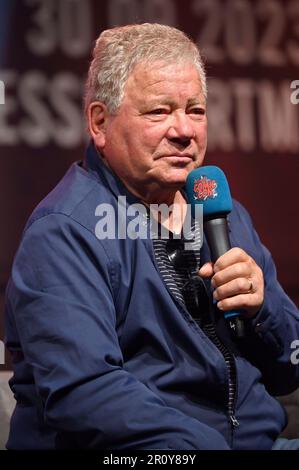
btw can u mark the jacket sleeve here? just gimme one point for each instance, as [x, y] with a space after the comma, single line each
[274, 332]
[62, 299]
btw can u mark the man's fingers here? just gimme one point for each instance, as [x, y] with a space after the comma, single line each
[238, 270]
[233, 256]
[237, 281]
[250, 303]
[206, 270]
[237, 286]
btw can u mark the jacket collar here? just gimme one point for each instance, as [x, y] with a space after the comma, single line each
[94, 165]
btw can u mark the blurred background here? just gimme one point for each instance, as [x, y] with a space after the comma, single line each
[251, 49]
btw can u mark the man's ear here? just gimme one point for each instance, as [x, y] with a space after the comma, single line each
[97, 114]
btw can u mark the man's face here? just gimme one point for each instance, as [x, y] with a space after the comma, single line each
[159, 133]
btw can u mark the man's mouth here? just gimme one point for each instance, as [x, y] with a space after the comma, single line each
[179, 159]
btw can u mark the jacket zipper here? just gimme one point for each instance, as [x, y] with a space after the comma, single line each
[233, 422]
[232, 378]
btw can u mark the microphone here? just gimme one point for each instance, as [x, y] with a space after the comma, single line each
[208, 186]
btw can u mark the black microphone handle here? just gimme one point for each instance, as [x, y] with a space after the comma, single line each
[216, 232]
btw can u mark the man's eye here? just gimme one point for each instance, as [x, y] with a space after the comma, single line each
[200, 111]
[158, 111]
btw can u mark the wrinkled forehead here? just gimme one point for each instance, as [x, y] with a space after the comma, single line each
[152, 77]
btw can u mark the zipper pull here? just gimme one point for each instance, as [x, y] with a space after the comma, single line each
[234, 421]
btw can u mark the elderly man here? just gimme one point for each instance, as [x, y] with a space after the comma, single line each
[110, 349]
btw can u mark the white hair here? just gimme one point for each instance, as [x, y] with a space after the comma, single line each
[118, 50]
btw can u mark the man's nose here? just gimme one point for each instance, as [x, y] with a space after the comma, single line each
[181, 127]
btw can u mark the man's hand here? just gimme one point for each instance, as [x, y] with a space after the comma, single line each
[238, 282]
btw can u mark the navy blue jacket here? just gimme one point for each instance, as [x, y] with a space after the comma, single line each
[104, 356]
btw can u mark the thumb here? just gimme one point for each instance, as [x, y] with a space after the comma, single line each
[206, 270]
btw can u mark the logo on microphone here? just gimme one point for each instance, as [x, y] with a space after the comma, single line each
[204, 188]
